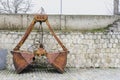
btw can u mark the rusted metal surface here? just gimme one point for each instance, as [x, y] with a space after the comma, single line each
[57, 39]
[23, 59]
[40, 18]
[58, 60]
[40, 51]
[37, 18]
[51, 57]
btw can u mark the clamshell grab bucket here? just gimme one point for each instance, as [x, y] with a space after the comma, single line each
[22, 59]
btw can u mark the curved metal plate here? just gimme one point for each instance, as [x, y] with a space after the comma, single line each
[22, 60]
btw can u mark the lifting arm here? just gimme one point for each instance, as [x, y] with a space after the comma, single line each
[29, 29]
[37, 18]
[60, 43]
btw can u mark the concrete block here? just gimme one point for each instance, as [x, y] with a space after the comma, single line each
[3, 56]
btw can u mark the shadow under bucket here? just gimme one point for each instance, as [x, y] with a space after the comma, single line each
[3, 54]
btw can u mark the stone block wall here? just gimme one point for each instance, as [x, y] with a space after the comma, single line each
[86, 50]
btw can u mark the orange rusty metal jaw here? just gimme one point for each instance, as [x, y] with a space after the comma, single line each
[58, 60]
[22, 60]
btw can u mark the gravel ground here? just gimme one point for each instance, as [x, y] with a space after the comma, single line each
[70, 74]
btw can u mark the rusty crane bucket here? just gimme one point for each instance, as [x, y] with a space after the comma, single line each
[22, 59]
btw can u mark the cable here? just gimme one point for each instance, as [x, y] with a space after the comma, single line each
[41, 35]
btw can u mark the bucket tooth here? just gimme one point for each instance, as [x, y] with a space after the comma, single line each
[22, 60]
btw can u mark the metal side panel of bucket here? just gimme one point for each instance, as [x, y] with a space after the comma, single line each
[3, 54]
[59, 61]
[22, 60]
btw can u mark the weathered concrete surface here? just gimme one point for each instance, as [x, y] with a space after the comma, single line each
[88, 22]
[78, 22]
[70, 74]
